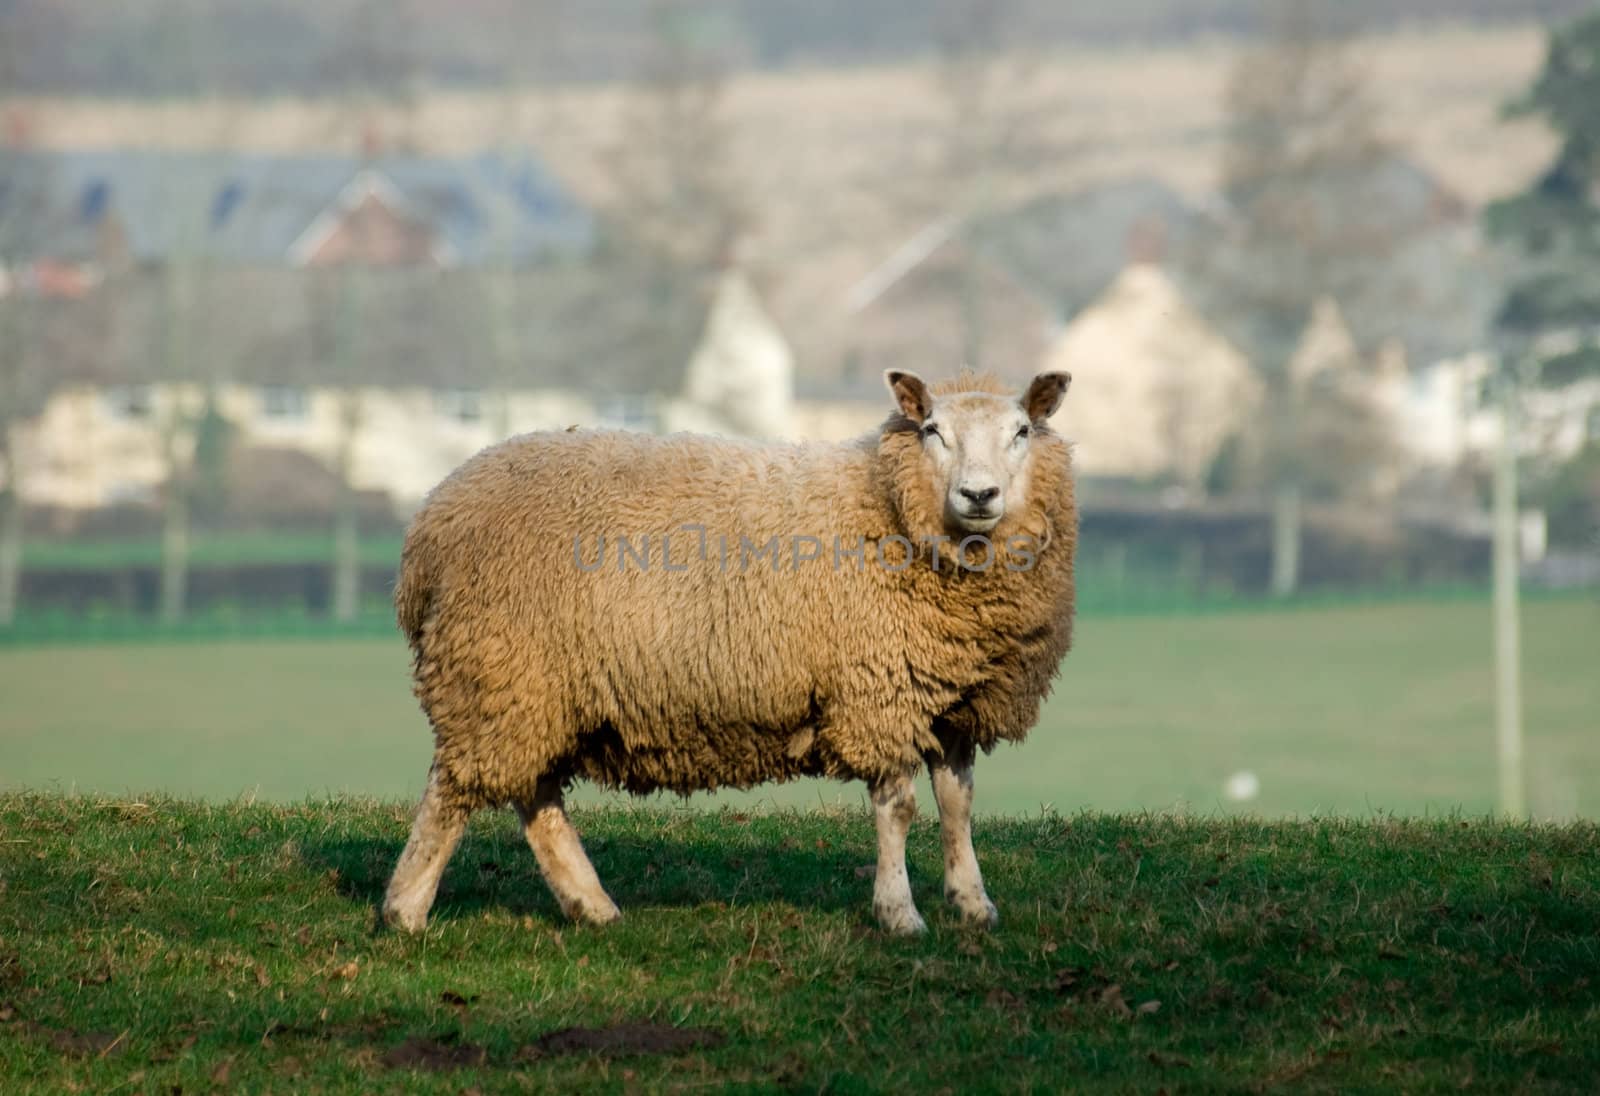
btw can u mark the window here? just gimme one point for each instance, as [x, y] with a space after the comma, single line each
[128, 492]
[130, 401]
[460, 404]
[629, 412]
[92, 204]
[284, 401]
[226, 201]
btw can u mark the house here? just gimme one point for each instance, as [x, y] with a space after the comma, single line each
[740, 378]
[1070, 247]
[388, 315]
[152, 206]
[1156, 391]
[934, 304]
[1111, 284]
[438, 364]
[938, 300]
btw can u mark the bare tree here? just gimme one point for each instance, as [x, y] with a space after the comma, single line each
[970, 80]
[187, 361]
[21, 397]
[340, 296]
[373, 61]
[176, 416]
[680, 195]
[531, 51]
[992, 126]
[24, 205]
[1308, 229]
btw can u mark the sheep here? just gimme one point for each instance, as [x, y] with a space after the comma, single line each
[688, 613]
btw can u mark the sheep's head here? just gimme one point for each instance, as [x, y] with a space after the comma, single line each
[977, 444]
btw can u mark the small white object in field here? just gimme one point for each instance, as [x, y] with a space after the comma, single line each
[1242, 786]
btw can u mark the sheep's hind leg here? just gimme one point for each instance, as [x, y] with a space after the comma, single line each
[963, 882]
[562, 861]
[435, 832]
[894, 803]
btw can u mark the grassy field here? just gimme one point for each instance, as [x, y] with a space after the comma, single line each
[165, 946]
[209, 549]
[1349, 710]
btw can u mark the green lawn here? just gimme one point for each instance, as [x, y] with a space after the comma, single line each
[161, 946]
[207, 549]
[1383, 708]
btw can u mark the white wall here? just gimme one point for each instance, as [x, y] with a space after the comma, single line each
[86, 450]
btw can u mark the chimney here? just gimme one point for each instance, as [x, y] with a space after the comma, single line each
[1147, 241]
[371, 140]
[18, 127]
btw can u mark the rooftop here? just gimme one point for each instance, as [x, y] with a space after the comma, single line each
[253, 208]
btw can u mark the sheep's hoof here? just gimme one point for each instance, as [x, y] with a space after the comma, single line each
[593, 913]
[405, 920]
[976, 911]
[900, 920]
[605, 916]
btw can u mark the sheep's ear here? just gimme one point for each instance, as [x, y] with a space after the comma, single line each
[910, 393]
[1044, 395]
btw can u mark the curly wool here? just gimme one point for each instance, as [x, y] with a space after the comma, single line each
[707, 674]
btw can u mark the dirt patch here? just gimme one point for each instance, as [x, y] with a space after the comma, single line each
[361, 1031]
[11, 972]
[620, 1040]
[436, 1055]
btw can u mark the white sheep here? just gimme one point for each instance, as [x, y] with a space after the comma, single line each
[689, 613]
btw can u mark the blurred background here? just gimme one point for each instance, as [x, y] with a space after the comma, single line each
[1327, 276]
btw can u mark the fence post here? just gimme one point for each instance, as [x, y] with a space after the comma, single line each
[1507, 641]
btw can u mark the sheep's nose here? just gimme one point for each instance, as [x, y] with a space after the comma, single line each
[980, 497]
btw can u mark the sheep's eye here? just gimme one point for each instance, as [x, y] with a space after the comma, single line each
[931, 431]
[1024, 432]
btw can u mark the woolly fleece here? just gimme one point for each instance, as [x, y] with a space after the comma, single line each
[644, 678]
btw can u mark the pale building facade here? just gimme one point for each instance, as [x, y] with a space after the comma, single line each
[1155, 390]
[740, 379]
[95, 446]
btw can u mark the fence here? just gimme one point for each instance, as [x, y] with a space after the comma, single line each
[1113, 580]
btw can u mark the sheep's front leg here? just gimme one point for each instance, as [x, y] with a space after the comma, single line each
[963, 882]
[894, 802]
[562, 861]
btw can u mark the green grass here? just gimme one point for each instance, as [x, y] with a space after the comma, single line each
[1385, 707]
[165, 946]
[205, 550]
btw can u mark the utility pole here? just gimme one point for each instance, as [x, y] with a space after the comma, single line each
[352, 315]
[1507, 640]
[176, 426]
